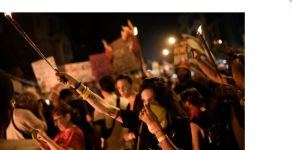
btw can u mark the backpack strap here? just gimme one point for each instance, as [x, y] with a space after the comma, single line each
[26, 136]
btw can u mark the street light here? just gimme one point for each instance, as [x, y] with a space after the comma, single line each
[220, 41]
[171, 40]
[135, 31]
[165, 52]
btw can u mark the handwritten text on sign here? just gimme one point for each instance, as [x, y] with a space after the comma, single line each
[100, 65]
[44, 74]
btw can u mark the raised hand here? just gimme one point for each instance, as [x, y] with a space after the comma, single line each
[71, 81]
[196, 54]
[149, 118]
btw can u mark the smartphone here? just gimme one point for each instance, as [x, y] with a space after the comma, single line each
[35, 133]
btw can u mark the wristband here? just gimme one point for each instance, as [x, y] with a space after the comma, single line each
[76, 87]
[157, 131]
[162, 138]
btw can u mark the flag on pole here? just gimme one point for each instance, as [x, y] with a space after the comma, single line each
[195, 43]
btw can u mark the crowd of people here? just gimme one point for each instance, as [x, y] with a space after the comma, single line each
[200, 112]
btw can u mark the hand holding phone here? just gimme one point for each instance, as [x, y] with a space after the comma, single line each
[35, 133]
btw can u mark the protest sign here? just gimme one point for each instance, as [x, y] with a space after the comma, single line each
[81, 71]
[100, 65]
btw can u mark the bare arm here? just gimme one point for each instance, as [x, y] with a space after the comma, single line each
[196, 136]
[147, 73]
[100, 105]
[211, 72]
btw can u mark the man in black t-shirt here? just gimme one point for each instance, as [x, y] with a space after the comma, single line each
[183, 72]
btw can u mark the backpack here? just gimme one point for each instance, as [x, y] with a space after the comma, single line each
[106, 133]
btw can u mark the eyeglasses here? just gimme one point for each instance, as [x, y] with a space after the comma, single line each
[55, 120]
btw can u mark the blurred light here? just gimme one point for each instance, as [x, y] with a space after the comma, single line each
[48, 101]
[166, 67]
[220, 41]
[7, 13]
[165, 52]
[174, 76]
[227, 66]
[135, 31]
[171, 40]
[224, 61]
[192, 73]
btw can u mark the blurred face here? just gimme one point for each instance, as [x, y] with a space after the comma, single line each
[147, 96]
[124, 87]
[183, 75]
[61, 121]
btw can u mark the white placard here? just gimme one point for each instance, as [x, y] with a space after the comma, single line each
[44, 74]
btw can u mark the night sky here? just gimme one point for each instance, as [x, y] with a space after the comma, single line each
[87, 30]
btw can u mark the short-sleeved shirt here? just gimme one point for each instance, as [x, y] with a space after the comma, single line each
[115, 141]
[24, 120]
[179, 134]
[73, 138]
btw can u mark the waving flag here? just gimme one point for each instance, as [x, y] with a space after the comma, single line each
[196, 44]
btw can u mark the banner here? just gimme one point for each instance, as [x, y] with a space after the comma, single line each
[44, 74]
[100, 65]
[81, 71]
[124, 59]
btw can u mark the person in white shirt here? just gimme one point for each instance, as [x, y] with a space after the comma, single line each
[102, 123]
[26, 116]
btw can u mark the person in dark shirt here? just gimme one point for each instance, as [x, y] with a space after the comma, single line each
[185, 81]
[206, 127]
[164, 124]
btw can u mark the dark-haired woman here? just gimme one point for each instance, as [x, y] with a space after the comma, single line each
[70, 137]
[164, 124]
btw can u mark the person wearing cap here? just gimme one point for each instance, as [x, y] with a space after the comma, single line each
[186, 81]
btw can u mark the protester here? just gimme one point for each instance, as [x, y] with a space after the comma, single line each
[206, 128]
[186, 81]
[70, 137]
[164, 124]
[234, 91]
[26, 116]
[124, 85]
[106, 127]
[66, 96]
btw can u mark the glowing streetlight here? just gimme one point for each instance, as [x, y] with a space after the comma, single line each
[135, 31]
[165, 52]
[171, 40]
[220, 41]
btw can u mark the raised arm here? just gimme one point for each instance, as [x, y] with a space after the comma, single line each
[93, 99]
[147, 73]
[208, 69]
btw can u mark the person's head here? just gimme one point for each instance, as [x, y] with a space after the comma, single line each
[64, 116]
[66, 95]
[107, 85]
[183, 71]
[6, 92]
[28, 101]
[238, 72]
[156, 92]
[191, 97]
[124, 85]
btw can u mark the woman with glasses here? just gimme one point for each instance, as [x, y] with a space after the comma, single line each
[70, 137]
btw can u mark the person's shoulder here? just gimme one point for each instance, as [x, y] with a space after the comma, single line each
[22, 112]
[78, 131]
